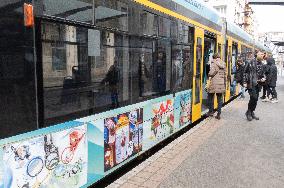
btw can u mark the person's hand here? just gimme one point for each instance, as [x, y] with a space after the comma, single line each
[262, 80]
[245, 85]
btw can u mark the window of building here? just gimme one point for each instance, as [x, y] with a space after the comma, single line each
[149, 23]
[79, 10]
[112, 14]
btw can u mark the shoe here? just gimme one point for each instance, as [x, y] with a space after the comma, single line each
[248, 115]
[210, 114]
[274, 100]
[253, 116]
[263, 97]
[266, 99]
[218, 117]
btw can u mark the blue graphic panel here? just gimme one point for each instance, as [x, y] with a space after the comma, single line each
[182, 109]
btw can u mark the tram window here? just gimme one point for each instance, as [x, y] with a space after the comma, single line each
[150, 68]
[181, 63]
[149, 23]
[79, 10]
[112, 14]
[93, 77]
[164, 27]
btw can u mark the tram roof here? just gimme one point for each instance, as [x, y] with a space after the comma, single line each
[202, 9]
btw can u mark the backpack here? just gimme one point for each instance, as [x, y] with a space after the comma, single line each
[239, 74]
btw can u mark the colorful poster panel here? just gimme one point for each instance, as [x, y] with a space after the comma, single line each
[122, 137]
[54, 160]
[182, 109]
[162, 121]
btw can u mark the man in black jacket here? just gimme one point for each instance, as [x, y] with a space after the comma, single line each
[272, 79]
[253, 79]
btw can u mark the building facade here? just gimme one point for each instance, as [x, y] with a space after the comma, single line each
[237, 11]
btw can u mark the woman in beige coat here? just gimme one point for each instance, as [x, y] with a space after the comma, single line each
[217, 84]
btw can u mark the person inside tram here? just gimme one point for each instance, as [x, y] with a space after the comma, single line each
[178, 69]
[160, 72]
[143, 75]
[112, 78]
[186, 68]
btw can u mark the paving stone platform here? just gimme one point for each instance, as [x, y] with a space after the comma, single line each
[230, 152]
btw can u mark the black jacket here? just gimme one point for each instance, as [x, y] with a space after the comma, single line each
[240, 74]
[253, 73]
[272, 73]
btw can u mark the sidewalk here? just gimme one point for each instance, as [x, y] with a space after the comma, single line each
[231, 152]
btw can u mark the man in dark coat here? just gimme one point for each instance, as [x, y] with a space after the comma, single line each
[253, 79]
[272, 79]
[265, 84]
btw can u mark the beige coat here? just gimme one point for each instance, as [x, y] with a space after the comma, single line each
[217, 74]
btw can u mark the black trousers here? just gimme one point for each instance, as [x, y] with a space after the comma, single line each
[253, 93]
[211, 101]
[272, 91]
[265, 90]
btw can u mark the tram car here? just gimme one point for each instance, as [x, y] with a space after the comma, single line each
[88, 85]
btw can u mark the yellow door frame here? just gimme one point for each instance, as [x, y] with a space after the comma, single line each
[239, 53]
[196, 105]
[228, 72]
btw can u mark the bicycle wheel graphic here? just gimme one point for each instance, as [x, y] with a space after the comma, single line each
[51, 161]
[35, 167]
[67, 155]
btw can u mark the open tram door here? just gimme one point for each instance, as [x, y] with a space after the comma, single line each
[197, 73]
[210, 47]
[235, 52]
[238, 56]
[228, 61]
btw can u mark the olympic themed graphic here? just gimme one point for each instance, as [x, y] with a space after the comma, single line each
[54, 160]
[162, 120]
[122, 137]
[182, 109]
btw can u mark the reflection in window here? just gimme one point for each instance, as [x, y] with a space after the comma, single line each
[149, 23]
[181, 63]
[112, 14]
[164, 27]
[162, 67]
[89, 77]
[79, 10]
[150, 66]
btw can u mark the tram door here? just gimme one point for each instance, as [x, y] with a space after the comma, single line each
[197, 73]
[209, 50]
[239, 53]
[234, 68]
[228, 67]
